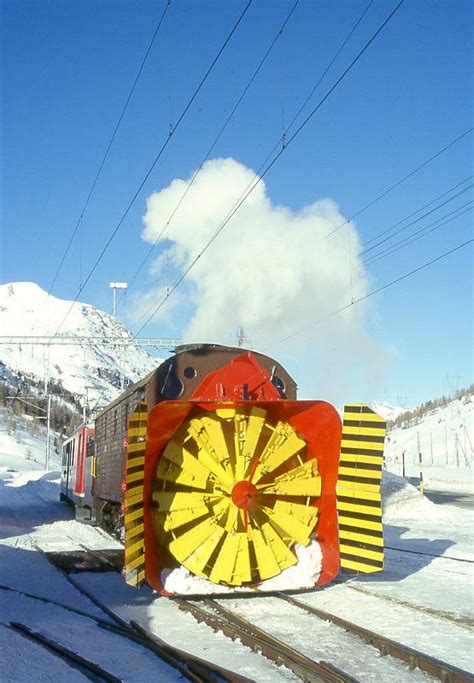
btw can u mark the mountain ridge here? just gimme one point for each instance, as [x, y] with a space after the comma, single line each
[92, 370]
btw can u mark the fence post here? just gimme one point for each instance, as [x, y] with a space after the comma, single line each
[403, 464]
[420, 465]
[446, 443]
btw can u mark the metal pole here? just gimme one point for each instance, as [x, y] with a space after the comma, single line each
[403, 464]
[113, 307]
[420, 464]
[48, 430]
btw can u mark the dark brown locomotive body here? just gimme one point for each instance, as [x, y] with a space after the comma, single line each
[177, 377]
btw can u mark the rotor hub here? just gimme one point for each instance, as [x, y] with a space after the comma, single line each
[244, 494]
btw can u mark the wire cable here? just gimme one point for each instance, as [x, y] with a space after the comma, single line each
[428, 213]
[106, 154]
[378, 290]
[155, 161]
[259, 179]
[425, 206]
[402, 180]
[209, 152]
[422, 232]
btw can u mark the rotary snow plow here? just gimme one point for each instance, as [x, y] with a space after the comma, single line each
[240, 489]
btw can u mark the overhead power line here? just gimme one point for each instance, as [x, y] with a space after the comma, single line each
[422, 232]
[428, 213]
[106, 154]
[66, 340]
[155, 160]
[378, 290]
[402, 180]
[259, 178]
[210, 150]
[425, 206]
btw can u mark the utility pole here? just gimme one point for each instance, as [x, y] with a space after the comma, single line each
[420, 464]
[446, 443]
[48, 433]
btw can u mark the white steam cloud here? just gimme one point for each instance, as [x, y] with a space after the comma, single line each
[270, 272]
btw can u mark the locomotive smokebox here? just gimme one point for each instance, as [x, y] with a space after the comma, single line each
[234, 488]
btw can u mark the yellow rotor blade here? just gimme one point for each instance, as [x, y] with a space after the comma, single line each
[300, 481]
[177, 453]
[198, 559]
[213, 452]
[282, 554]
[187, 542]
[169, 472]
[282, 445]
[247, 432]
[232, 565]
[306, 514]
[267, 565]
[282, 521]
[172, 501]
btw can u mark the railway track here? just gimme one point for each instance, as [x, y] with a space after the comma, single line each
[415, 659]
[464, 622]
[92, 671]
[220, 618]
[190, 667]
[234, 626]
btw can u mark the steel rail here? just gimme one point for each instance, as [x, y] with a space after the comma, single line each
[451, 617]
[236, 627]
[430, 665]
[92, 671]
[193, 668]
[421, 552]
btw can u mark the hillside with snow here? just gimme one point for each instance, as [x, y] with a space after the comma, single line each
[91, 370]
[445, 438]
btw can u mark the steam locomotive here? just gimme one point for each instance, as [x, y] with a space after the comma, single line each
[219, 479]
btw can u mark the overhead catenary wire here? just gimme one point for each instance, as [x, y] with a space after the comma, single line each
[401, 181]
[108, 148]
[428, 213]
[209, 152]
[155, 161]
[422, 232]
[377, 291]
[102, 163]
[425, 206]
[259, 178]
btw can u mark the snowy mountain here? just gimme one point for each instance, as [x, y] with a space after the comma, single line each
[92, 370]
[387, 411]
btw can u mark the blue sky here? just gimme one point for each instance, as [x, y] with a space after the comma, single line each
[67, 69]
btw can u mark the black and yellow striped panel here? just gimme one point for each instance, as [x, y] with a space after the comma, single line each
[134, 527]
[358, 490]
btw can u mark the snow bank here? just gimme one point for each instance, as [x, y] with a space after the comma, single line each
[303, 574]
[402, 500]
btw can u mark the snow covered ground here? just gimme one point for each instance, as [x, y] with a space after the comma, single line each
[424, 597]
